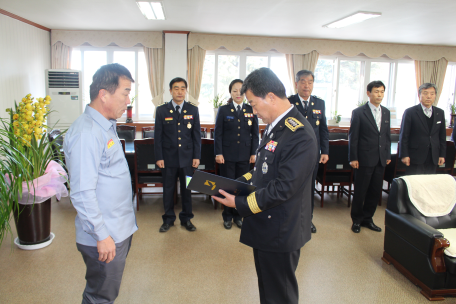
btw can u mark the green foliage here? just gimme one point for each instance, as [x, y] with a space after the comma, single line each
[336, 117]
[217, 101]
[453, 107]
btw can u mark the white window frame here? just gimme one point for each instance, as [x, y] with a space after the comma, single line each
[109, 59]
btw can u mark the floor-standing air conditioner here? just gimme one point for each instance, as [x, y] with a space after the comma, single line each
[65, 89]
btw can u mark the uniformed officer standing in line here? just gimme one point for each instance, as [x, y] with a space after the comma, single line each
[313, 108]
[235, 142]
[277, 215]
[177, 150]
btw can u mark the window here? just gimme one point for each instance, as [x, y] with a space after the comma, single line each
[89, 59]
[222, 66]
[406, 93]
[448, 91]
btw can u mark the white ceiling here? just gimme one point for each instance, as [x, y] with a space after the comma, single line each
[403, 21]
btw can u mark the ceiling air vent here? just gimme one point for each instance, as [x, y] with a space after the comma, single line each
[63, 79]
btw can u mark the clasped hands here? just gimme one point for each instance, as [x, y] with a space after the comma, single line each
[161, 163]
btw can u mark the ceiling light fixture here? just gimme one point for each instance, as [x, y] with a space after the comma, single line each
[352, 19]
[151, 10]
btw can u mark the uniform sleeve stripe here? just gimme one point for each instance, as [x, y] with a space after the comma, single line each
[247, 176]
[251, 200]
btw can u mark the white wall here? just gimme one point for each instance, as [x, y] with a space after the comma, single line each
[175, 60]
[25, 52]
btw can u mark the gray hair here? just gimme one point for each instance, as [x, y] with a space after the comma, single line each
[426, 86]
[304, 73]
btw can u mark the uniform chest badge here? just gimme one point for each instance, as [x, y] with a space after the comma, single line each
[185, 111]
[248, 114]
[312, 103]
[316, 111]
[297, 103]
[264, 168]
[188, 116]
[249, 122]
[189, 125]
[271, 146]
[170, 111]
[168, 118]
[110, 143]
[317, 122]
[243, 110]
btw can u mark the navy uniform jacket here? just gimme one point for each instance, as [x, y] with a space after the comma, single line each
[236, 138]
[177, 142]
[416, 138]
[317, 118]
[366, 144]
[277, 215]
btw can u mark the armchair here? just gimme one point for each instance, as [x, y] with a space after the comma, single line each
[415, 247]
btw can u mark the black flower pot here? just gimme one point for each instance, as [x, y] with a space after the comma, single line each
[33, 224]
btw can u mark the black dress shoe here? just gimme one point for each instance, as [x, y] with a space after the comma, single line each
[372, 226]
[165, 227]
[238, 223]
[356, 228]
[227, 224]
[189, 226]
[313, 229]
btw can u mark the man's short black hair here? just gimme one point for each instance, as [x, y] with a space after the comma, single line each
[107, 78]
[263, 81]
[375, 84]
[304, 73]
[177, 79]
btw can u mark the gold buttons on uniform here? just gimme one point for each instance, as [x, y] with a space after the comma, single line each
[238, 142]
[239, 134]
[179, 138]
[239, 127]
[180, 145]
[239, 120]
[178, 123]
[179, 131]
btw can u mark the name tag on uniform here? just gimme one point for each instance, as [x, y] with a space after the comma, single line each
[316, 111]
[248, 114]
[110, 143]
[188, 116]
[271, 146]
[168, 118]
[439, 122]
[230, 117]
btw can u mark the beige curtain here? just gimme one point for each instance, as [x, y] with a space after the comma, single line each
[155, 61]
[433, 72]
[296, 63]
[195, 62]
[61, 56]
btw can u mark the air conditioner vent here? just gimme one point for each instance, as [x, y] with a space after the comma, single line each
[63, 79]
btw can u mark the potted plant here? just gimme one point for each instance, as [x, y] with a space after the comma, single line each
[452, 114]
[130, 110]
[31, 173]
[335, 119]
[217, 101]
[361, 103]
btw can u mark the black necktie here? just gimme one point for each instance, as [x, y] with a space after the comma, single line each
[238, 110]
[305, 105]
[177, 110]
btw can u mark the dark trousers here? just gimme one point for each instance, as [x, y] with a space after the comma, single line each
[276, 276]
[368, 190]
[314, 178]
[233, 170]
[170, 176]
[427, 167]
[103, 280]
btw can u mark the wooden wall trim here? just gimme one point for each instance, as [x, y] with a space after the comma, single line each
[3, 12]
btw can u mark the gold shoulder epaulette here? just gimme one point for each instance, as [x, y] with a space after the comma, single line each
[189, 102]
[161, 104]
[293, 124]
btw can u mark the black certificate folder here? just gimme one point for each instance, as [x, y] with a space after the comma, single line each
[210, 184]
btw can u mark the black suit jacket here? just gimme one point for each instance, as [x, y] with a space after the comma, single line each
[315, 112]
[277, 216]
[366, 144]
[177, 141]
[236, 137]
[415, 138]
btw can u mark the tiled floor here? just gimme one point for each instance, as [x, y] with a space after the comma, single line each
[209, 265]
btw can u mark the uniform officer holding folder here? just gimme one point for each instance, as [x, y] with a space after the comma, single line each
[277, 215]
